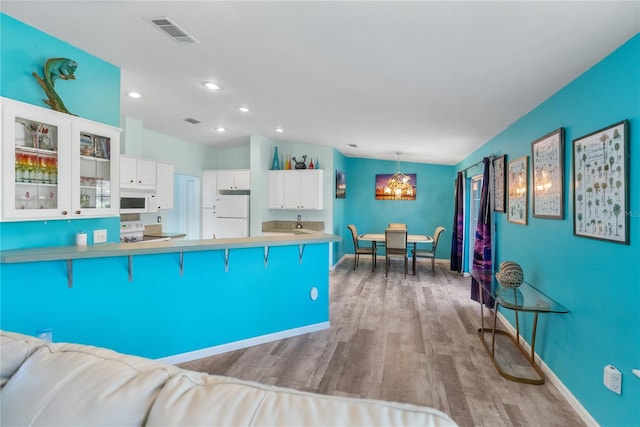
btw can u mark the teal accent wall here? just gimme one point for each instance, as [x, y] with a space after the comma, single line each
[161, 313]
[596, 280]
[339, 210]
[433, 205]
[93, 95]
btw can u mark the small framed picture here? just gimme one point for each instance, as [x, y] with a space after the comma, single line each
[547, 164]
[601, 184]
[341, 185]
[517, 179]
[499, 183]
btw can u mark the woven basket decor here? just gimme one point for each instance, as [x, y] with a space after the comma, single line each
[510, 274]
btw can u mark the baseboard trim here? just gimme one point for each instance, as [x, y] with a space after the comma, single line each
[551, 376]
[237, 345]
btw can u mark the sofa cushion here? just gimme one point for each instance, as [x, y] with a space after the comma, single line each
[197, 399]
[71, 384]
[14, 350]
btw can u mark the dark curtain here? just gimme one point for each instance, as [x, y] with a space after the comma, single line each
[457, 236]
[482, 264]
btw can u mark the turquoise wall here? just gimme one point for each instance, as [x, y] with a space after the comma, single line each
[433, 205]
[23, 50]
[594, 279]
[339, 211]
[93, 95]
[161, 313]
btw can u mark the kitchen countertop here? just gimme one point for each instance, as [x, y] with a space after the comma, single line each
[165, 234]
[291, 226]
[104, 250]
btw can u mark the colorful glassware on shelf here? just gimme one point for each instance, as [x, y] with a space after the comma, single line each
[311, 164]
[317, 163]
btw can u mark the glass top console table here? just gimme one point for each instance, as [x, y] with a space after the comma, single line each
[524, 298]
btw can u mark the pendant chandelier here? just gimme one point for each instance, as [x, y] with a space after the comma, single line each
[398, 185]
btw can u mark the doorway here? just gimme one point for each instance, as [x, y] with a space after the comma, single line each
[475, 193]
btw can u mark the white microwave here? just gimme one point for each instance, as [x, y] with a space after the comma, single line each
[135, 202]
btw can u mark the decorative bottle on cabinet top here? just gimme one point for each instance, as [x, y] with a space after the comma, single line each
[276, 164]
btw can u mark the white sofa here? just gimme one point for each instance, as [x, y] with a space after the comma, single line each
[78, 385]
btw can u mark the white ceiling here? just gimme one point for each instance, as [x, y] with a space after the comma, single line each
[432, 80]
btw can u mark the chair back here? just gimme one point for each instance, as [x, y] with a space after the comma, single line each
[436, 237]
[398, 225]
[395, 238]
[354, 235]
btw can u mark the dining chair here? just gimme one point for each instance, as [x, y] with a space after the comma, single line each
[395, 240]
[361, 250]
[416, 253]
[397, 225]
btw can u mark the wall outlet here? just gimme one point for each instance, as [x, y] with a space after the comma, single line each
[99, 236]
[45, 335]
[613, 379]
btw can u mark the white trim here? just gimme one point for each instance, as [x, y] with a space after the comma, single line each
[551, 376]
[237, 345]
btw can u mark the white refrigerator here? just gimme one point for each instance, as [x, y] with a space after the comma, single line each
[228, 216]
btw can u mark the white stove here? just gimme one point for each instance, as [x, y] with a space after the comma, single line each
[131, 231]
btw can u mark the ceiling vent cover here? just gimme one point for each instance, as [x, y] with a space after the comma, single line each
[170, 29]
[192, 121]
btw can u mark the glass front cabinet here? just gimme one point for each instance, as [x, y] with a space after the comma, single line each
[57, 166]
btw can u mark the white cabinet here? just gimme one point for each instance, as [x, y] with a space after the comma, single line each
[164, 186]
[56, 165]
[296, 189]
[239, 179]
[209, 189]
[137, 174]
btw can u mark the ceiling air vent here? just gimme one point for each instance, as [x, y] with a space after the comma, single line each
[192, 121]
[169, 28]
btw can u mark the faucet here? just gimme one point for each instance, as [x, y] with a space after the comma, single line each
[298, 224]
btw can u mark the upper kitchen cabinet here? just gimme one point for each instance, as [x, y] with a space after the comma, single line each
[137, 174]
[296, 189]
[239, 179]
[164, 186]
[57, 166]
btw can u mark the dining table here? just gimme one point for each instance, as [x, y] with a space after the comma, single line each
[375, 238]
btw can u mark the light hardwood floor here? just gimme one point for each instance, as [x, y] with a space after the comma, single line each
[408, 340]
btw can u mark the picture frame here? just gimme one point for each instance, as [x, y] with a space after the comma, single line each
[499, 184]
[601, 184]
[341, 185]
[517, 191]
[384, 191]
[547, 175]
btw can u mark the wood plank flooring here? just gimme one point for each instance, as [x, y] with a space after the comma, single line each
[408, 340]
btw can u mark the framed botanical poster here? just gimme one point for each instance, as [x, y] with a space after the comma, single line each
[499, 183]
[341, 185]
[601, 181]
[547, 164]
[517, 180]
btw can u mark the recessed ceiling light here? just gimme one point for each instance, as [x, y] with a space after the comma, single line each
[280, 130]
[243, 109]
[210, 85]
[134, 95]
[220, 129]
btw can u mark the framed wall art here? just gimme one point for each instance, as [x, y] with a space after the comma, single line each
[547, 164]
[499, 183]
[517, 180]
[601, 181]
[397, 186]
[341, 185]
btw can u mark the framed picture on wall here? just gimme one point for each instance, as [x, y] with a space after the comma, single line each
[397, 186]
[341, 185]
[499, 183]
[517, 179]
[601, 184]
[547, 164]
